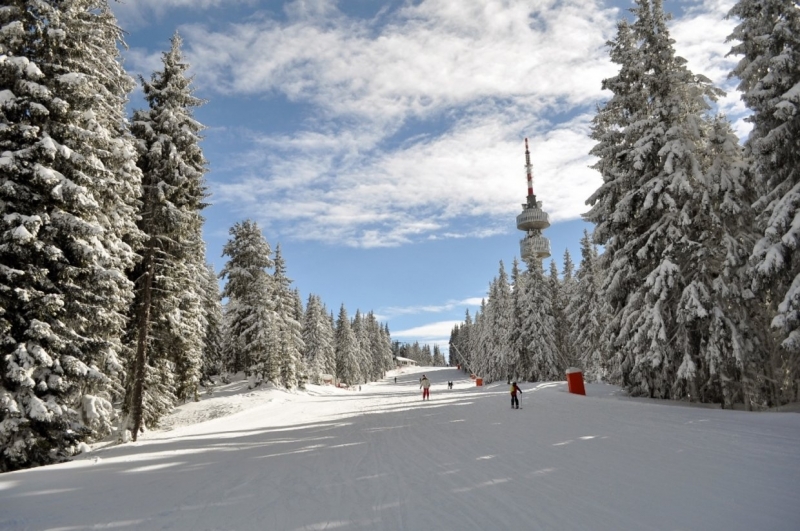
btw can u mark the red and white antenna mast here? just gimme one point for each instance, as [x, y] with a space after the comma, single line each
[529, 169]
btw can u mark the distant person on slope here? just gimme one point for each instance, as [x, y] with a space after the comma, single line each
[425, 384]
[514, 400]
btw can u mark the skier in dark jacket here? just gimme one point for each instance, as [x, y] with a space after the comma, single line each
[514, 400]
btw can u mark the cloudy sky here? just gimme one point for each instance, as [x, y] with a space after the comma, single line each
[381, 143]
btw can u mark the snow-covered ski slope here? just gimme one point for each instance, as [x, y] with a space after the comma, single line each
[383, 459]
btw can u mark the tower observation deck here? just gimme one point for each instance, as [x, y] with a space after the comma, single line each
[532, 220]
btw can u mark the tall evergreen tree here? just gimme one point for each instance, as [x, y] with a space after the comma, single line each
[289, 330]
[362, 346]
[543, 361]
[587, 313]
[559, 298]
[213, 359]
[347, 370]
[499, 320]
[655, 145]
[517, 346]
[567, 345]
[319, 341]
[438, 357]
[249, 312]
[68, 191]
[768, 36]
[168, 320]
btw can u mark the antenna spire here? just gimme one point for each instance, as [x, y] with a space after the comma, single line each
[529, 168]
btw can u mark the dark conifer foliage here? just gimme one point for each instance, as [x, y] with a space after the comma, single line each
[168, 316]
[68, 192]
[767, 40]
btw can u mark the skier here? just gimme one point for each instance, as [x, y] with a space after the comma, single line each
[425, 384]
[514, 400]
[395, 379]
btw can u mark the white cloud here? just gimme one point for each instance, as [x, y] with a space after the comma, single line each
[430, 57]
[482, 73]
[141, 62]
[394, 311]
[428, 332]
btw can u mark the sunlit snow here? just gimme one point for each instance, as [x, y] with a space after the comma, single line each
[381, 458]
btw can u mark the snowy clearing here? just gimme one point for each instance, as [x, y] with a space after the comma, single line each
[381, 458]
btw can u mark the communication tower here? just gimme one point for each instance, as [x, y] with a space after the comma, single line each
[532, 220]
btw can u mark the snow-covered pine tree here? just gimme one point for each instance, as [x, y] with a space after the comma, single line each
[363, 356]
[318, 337]
[729, 335]
[189, 323]
[768, 36]
[427, 355]
[386, 339]
[289, 331]
[587, 314]
[213, 360]
[543, 362]
[567, 291]
[478, 341]
[68, 191]
[611, 211]
[249, 313]
[168, 320]
[499, 320]
[438, 357]
[517, 345]
[558, 300]
[377, 348]
[654, 142]
[347, 370]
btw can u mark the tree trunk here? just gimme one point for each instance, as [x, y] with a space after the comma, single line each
[143, 326]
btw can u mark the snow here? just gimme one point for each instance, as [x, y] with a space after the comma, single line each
[382, 458]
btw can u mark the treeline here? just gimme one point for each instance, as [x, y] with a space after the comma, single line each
[696, 295]
[424, 355]
[109, 312]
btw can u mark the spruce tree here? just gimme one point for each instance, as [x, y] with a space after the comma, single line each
[517, 346]
[566, 342]
[347, 370]
[587, 314]
[768, 36]
[661, 216]
[543, 362]
[168, 321]
[362, 347]
[288, 329]
[318, 340]
[438, 358]
[68, 191]
[249, 312]
[559, 298]
[214, 362]
[499, 319]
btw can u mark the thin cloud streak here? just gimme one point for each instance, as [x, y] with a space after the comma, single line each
[394, 311]
[429, 331]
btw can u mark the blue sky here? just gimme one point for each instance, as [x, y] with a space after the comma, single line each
[381, 143]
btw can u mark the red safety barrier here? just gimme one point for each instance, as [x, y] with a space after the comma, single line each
[575, 381]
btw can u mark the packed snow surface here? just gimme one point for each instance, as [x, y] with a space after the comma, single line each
[381, 458]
